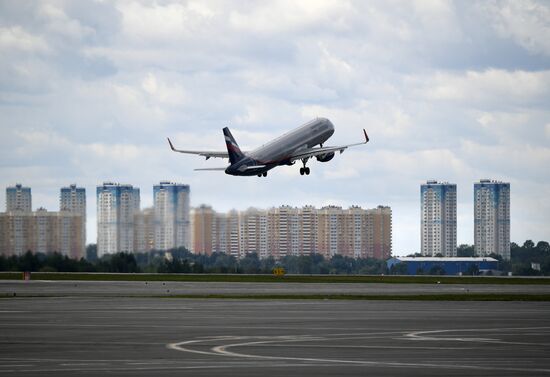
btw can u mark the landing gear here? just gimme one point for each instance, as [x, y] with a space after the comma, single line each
[305, 170]
[264, 174]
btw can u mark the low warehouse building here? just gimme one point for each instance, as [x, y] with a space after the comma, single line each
[441, 266]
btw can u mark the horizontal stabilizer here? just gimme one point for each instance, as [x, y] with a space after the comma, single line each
[211, 169]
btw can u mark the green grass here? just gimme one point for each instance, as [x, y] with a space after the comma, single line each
[242, 278]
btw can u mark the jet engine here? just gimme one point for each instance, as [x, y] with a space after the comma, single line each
[325, 157]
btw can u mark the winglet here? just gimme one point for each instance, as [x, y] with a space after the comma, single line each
[171, 145]
[366, 136]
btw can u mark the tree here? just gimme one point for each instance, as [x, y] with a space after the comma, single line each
[340, 264]
[174, 266]
[543, 247]
[528, 245]
[465, 251]
[267, 265]
[119, 262]
[29, 262]
[250, 264]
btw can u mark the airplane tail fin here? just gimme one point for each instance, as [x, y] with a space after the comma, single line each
[233, 149]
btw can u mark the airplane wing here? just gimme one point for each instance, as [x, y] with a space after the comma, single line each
[311, 152]
[206, 154]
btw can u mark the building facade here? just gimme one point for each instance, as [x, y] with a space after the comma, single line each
[41, 232]
[18, 198]
[438, 219]
[492, 218]
[253, 232]
[378, 228]
[285, 230]
[73, 199]
[144, 230]
[202, 225]
[117, 206]
[172, 222]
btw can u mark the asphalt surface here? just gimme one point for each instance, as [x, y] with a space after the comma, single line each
[90, 336]
[129, 288]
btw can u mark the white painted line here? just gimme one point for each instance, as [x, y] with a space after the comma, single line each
[266, 341]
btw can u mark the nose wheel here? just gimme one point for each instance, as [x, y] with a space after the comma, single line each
[264, 174]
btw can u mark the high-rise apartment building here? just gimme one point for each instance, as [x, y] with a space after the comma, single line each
[253, 224]
[308, 225]
[379, 232]
[283, 231]
[41, 232]
[330, 231]
[438, 219]
[144, 230]
[226, 233]
[172, 223]
[16, 232]
[73, 199]
[202, 225]
[492, 218]
[18, 198]
[117, 206]
[286, 230]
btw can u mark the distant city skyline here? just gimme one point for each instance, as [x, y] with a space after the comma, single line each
[128, 227]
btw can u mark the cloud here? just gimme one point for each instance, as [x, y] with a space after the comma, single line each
[524, 22]
[275, 17]
[487, 88]
[446, 90]
[58, 22]
[163, 23]
[16, 38]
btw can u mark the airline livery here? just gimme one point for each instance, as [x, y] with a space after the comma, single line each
[301, 143]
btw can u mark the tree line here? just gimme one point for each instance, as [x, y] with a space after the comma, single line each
[181, 260]
[529, 259]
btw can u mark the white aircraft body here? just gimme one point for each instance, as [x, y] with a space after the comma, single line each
[301, 143]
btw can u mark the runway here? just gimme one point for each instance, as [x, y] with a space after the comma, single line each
[156, 288]
[89, 336]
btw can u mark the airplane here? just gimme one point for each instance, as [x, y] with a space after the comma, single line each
[298, 144]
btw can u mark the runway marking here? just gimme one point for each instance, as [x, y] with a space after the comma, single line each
[15, 365]
[423, 335]
[267, 341]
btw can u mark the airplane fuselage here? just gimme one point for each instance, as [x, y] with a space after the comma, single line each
[278, 151]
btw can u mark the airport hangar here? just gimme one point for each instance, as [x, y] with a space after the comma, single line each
[451, 265]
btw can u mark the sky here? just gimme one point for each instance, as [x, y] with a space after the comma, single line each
[452, 91]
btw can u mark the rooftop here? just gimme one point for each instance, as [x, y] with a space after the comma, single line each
[446, 259]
